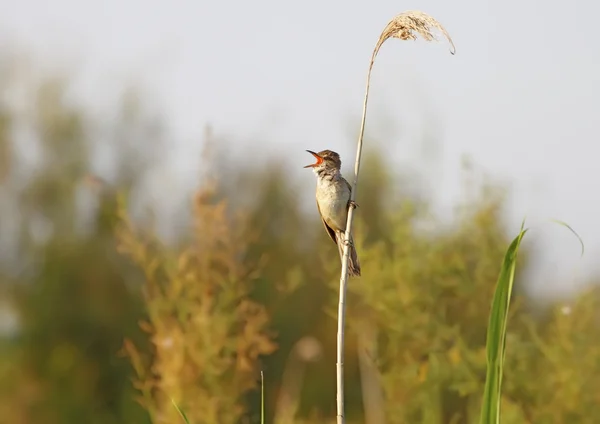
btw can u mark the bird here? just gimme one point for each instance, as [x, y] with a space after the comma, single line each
[333, 201]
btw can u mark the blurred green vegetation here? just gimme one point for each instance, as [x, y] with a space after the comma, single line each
[113, 323]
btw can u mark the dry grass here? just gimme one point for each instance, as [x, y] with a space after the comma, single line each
[407, 25]
[404, 26]
[206, 332]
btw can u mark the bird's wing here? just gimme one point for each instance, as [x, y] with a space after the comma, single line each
[330, 230]
[349, 188]
[348, 184]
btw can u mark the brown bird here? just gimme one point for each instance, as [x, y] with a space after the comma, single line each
[333, 200]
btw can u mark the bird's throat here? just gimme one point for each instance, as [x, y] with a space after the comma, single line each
[329, 174]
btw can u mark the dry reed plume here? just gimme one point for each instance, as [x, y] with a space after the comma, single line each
[405, 26]
[206, 332]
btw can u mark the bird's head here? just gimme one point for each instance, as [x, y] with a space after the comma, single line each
[326, 160]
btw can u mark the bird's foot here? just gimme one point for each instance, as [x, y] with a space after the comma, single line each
[348, 243]
[353, 204]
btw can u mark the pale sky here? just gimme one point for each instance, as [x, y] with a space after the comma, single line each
[521, 97]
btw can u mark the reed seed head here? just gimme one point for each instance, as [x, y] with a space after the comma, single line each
[409, 24]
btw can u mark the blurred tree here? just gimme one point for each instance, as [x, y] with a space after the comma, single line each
[552, 375]
[66, 280]
[429, 294]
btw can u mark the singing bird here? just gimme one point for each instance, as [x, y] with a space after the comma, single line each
[333, 200]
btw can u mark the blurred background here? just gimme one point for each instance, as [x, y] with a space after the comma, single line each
[159, 240]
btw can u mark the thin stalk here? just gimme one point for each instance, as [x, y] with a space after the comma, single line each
[404, 27]
[344, 274]
[262, 398]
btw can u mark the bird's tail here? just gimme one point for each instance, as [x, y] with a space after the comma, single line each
[353, 263]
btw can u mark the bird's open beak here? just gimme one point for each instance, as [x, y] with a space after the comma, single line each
[317, 157]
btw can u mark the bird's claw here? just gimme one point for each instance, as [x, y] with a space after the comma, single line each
[353, 204]
[348, 243]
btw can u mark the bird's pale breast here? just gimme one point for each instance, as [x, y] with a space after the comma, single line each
[332, 197]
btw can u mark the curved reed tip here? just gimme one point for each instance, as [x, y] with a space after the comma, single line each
[407, 25]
